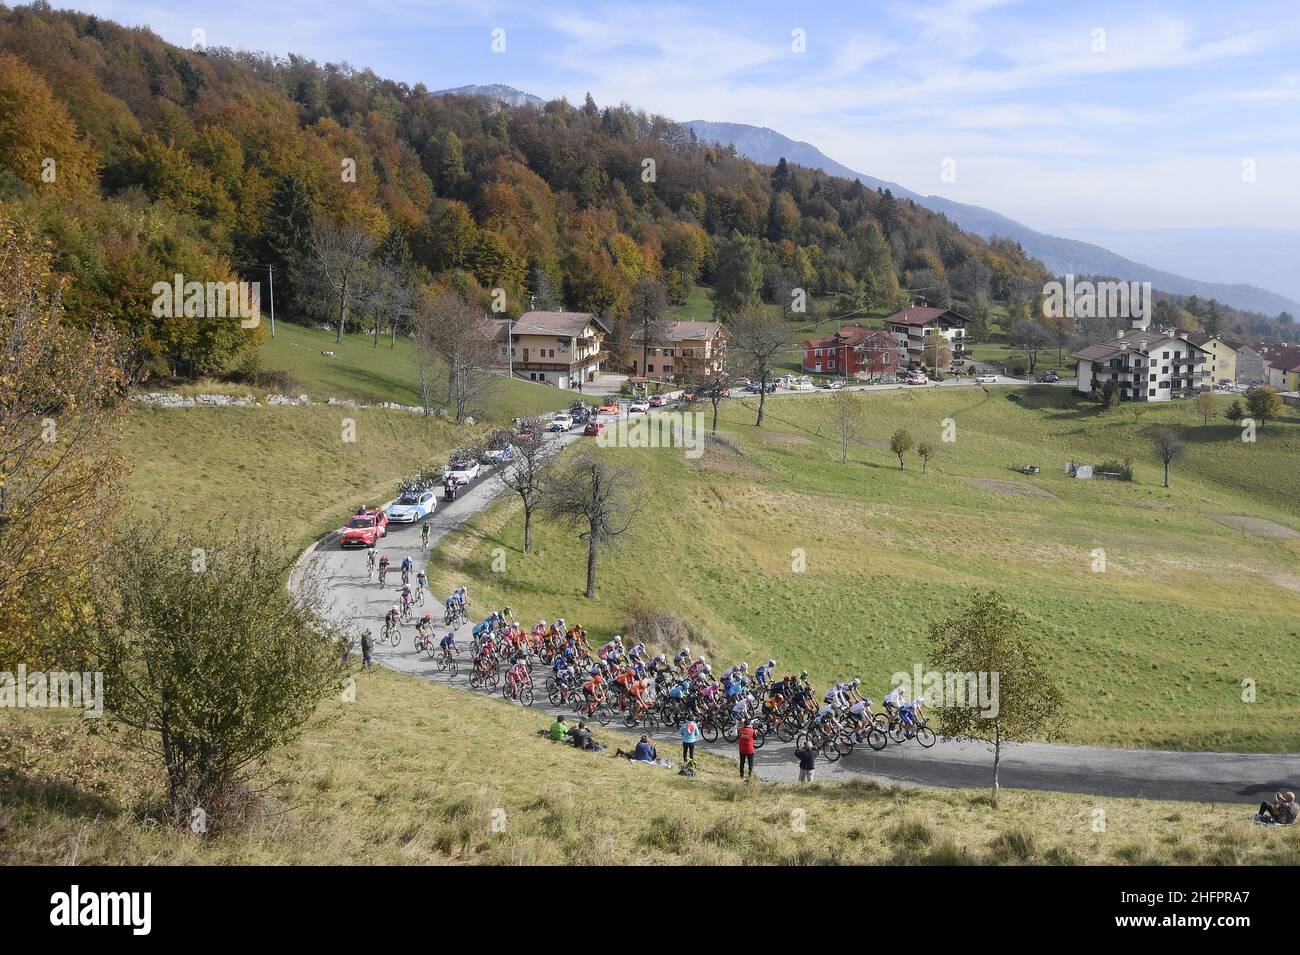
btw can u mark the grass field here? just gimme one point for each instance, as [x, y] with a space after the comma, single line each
[418, 773]
[363, 372]
[1152, 650]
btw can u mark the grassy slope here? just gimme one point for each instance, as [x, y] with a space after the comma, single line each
[371, 374]
[411, 772]
[1152, 651]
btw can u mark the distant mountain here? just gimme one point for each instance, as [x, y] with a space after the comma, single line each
[1059, 254]
[499, 91]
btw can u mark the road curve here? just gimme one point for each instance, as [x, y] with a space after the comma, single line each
[1090, 770]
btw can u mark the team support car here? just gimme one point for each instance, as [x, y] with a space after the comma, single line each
[594, 429]
[987, 379]
[365, 529]
[412, 506]
[638, 406]
[561, 422]
[463, 471]
[581, 413]
[658, 401]
[499, 455]
[609, 409]
[916, 378]
[834, 384]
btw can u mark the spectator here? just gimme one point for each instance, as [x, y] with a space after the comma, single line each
[745, 743]
[559, 729]
[1281, 811]
[690, 736]
[807, 762]
[367, 647]
[580, 735]
[645, 751]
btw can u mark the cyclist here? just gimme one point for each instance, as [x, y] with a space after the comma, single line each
[683, 659]
[448, 644]
[406, 599]
[612, 650]
[424, 536]
[407, 566]
[593, 690]
[391, 618]
[764, 673]
[860, 714]
[421, 584]
[893, 700]
[371, 556]
[383, 567]
[910, 714]
[699, 666]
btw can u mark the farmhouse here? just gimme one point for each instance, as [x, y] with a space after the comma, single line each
[682, 348]
[559, 348]
[1282, 366]
[857, 351]
[1221, 356]
[1144, 365]
[910, 326]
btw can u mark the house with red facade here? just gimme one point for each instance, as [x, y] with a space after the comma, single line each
[853, 352]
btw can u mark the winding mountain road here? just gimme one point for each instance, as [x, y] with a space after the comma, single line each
[1150, 774]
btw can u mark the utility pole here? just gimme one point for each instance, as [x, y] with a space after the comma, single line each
[270, 274]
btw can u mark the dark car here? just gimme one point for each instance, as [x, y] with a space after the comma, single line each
[1049, 378]
[580, 413]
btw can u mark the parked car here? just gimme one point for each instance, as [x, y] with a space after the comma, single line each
[412, 506]
[1049, 378]
[834, 384]
[462, 471]
[987, 379]
[365, 529]
[805, 386]
[741, 383]
[757, 386]
[608, 408]
[638, 406]
[594, 429]
[658, 401]
[561, 422]
[916, 378]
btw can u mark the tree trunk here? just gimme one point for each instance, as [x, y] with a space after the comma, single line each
[715, 415]
[997, 758]
[591, 567]
[528, 527]
[343, 307]
[1166, 474]
[376, 344]
[762, 398]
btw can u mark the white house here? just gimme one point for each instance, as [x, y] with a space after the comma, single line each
[1144, 365]
[910, 326]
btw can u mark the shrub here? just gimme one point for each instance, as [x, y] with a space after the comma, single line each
[1123, 468]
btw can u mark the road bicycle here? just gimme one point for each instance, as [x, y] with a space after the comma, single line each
[447, 662]
[391, 633]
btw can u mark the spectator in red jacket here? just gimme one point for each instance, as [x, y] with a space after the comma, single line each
[745, 741]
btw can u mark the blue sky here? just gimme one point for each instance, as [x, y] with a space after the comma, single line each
[1122, 115]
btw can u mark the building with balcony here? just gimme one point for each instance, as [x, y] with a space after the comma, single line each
[910, 326]
[854, 351]
[1143, 365]
[683, 347]
[558, 348]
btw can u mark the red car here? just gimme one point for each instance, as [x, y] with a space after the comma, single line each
[658, 401]
[594, 429]
[365, 529]
[609, 409]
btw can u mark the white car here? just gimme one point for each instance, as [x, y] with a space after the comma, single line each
[412, 506]
[987, 379]
[917, 379]
[805, 386]
[561, 422]
[640, 405]
[833, 384]
[462, 472]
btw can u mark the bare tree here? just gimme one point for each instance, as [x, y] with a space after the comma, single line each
[708, 382]
[461, 338]
[598, 499]
[1168, 447]
[846, 413]
[528, 474]
[390, 290]
[757, 336]
[1031, 336]
[648, 315]
[337, 266]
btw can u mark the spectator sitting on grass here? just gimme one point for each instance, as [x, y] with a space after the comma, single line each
[559, 729]
[1281, 811]
[581, 736]
[645, 751]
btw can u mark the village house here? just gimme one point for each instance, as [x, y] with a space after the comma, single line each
[1221, 356]
[910, 326]
[1282, 366]
[684, 347]
[1252, 369]
[559, 348]
[854, 351]
[1144, 365]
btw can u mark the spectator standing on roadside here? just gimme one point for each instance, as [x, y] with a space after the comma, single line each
[807, 762]
[690, 736]
[367, 647]
[745, 743]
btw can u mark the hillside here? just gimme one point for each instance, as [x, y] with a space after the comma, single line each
[1060, 255]
[1151, 650]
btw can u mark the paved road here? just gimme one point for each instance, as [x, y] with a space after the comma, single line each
[1198, 777]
